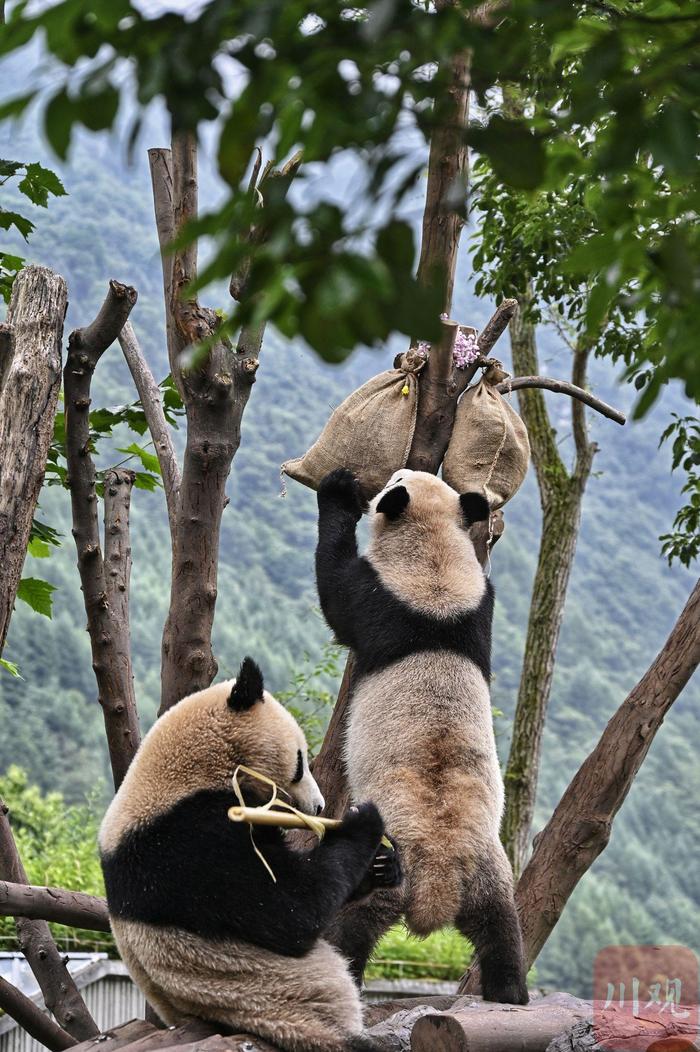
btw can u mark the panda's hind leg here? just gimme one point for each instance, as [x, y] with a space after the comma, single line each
[360, 925]
[489, 919]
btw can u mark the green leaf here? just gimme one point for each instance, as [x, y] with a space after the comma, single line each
[37, 594]
[38, 183]
[149, 460]
[59, 117]
[10, 667]
[9, 219]
[142, 480]
[38, 549]
[515, 152]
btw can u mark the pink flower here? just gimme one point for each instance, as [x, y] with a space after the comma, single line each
[466, 350]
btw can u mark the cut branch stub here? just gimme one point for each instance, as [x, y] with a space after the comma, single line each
[108, 625]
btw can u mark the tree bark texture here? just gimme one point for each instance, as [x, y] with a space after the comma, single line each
[28, 400]
[484, 1026]
[561, 494]
[197, 1036]
[31, 1018]
[581, 824]
[215, 392]
[106, 607]
[446, 200]
[54, 904]
[7, 350]
[59, 991]
[152, 405]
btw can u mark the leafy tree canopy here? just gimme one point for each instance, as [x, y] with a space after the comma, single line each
[611, 91]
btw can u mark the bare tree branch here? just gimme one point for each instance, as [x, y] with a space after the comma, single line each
[546, 383]
[151, 403]
[109, 633]
[31, 1018]
[60, 993]
[582, 822]
[28, 400]
[7, 350]
[57, 905]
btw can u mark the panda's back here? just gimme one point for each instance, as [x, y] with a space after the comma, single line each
[420, 738]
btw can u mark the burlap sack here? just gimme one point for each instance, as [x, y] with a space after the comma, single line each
[489, 450]
[370, 432]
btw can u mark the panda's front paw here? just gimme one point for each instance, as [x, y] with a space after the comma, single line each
[341, 488]
[386, 870]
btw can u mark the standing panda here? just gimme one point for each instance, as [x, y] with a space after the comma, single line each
[416, 611]
[201, 925]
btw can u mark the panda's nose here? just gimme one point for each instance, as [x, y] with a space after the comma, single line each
[319, 808]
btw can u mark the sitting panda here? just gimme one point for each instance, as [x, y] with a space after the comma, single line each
[416, 610]
[199, 922]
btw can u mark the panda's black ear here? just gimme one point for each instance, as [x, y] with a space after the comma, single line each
[475, 507]
[248, 687]
[394, 502]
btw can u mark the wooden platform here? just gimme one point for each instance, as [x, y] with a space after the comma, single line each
[556, 1023]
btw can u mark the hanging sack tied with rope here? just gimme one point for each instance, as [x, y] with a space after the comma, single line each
[489, 450]
[370, 432]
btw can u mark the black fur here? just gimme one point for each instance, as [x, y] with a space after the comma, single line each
[193, 868]
[365, 615]
[475, 508]
[380, 629]
[248, 687]
[394, 502]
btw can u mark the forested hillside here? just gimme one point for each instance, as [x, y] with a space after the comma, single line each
[623, 598]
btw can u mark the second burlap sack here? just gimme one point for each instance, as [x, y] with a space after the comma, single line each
[489, 450]
[370, 432]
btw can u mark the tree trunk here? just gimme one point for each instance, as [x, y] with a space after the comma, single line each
[561, 494]
[215, 393]
[28, 400]
[581, 824]
[60, 993]
[560, 526]
[107, 620]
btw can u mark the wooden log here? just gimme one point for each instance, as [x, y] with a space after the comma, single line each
[118, 1037]
[53, 904]
[483, 1026]
[32, 378]
[613, 1030]
[139, 1036]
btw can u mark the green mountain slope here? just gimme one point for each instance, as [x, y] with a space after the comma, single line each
[623, 598]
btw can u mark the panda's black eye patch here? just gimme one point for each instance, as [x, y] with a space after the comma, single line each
[299, 773]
